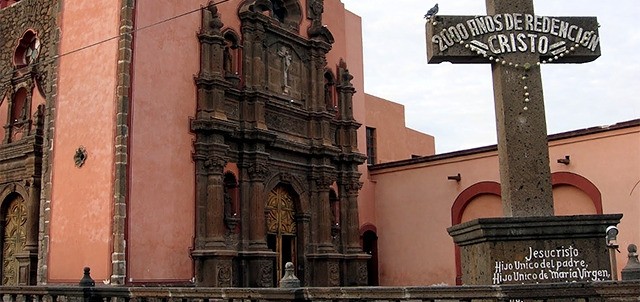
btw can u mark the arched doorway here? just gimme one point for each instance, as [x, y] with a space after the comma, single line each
[281, 227]
[14, 236]
[370, 246]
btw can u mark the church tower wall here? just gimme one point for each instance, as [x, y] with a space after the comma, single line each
[81, 206]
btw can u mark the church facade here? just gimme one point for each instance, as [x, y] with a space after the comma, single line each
[224, 140]
[209, 143]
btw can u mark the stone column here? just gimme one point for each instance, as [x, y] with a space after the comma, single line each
[260, 260]
[356, 260]
[323, 225]
[257, 174]
[213, 259]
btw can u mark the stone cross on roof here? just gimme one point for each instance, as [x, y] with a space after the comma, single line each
[516, 42]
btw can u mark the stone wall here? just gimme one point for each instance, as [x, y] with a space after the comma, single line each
[40, 16]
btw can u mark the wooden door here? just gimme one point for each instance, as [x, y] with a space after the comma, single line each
[281, 228]
[14, 238]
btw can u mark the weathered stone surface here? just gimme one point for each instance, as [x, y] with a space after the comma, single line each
[631, 271]
[534, 249]
[448, 32]
[516, 42]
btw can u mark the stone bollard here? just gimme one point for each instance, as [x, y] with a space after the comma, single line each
[289, 280]
[632, 270]
[86, 278]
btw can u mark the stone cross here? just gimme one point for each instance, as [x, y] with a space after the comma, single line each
[516, 42]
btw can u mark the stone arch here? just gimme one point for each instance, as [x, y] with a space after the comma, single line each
[460, 204]
[580, 182]
[466, 196]
[232, 53]
[231, 201]
[287, 12]
[330, 90]
[298, 187]
[493, 188]
[369, 242]
[14, 188]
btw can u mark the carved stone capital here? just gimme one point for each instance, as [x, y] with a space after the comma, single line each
[215, 164]
[324, 181]
[353, 187]
[258, 171]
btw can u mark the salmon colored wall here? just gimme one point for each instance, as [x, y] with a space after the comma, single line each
[612, 164]
[394, 141]
[354, 58]
[483, 206]
[82, 198]
[419, 143]
[569, 200]
[166, 58]
[415, 201]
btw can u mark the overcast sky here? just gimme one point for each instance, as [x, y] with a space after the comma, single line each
[454, 103]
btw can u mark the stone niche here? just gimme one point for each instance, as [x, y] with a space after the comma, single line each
[529, 250]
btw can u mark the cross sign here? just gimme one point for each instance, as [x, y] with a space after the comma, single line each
[516, 42]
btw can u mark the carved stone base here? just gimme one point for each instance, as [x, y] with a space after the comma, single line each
[214, 268]
[27, 268]
[259, 269]
[325, 269]
[356, 272]
[517, 250]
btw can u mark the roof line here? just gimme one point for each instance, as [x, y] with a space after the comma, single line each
[494, 147]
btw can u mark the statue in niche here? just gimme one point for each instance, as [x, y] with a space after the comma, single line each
[286, 65]
[228, 60]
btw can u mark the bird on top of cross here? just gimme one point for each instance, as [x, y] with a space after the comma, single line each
[431, 12]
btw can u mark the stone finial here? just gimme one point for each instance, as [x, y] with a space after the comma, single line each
[632, 270]
[86, 278]
[289, 280]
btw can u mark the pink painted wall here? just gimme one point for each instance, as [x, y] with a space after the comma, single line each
[166, 58]
[394, 141]
[350, 47]
[414, 201]
[82, 198]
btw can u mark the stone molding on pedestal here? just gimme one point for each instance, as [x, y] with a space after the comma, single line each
[516, 250]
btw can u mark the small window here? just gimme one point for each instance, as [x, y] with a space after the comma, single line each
[27, 50]
[371, 145]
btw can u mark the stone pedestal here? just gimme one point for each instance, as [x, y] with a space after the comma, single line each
[356, 273]
[259, 268]
[27, 268]
[525, 250]
[325, 269]
[214, 268]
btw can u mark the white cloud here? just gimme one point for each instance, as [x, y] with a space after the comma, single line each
[455, 102]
